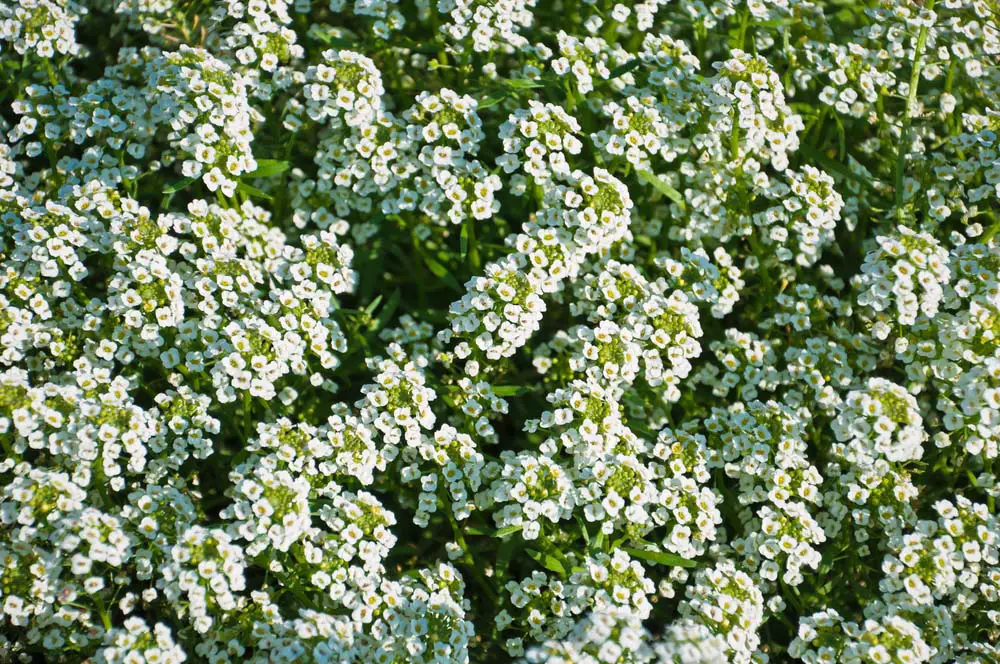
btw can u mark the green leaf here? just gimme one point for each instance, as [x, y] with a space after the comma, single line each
[388, 310]
[776, 23]
[492, 100]
[663, 558]
[509, 530]
[547, 561]
[511, 390]
[252, 191]
[177, 186]
[625, 68]
[663, 187]
[583, 530]
[370, 309]
[524, 83]
[598, 541]
[346, 39]
[441, 272]
[469, 244]
[990, 232]
[267, 168]
[504, 553]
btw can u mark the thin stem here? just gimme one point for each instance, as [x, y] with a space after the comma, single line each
[911, 100]
[741, 36]
[53, 79]
[467, 557]
[103, 612]
[247, 417]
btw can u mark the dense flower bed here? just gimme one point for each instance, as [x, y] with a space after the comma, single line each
[510, 330]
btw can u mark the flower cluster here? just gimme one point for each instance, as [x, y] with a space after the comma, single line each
[723, 602]
[826, 636]
[464, 331]
[905, 273]
[41, 28]
[762, 445]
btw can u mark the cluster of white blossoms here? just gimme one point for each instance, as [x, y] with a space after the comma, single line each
[880, 421]
[762, 445]
[486, 26]
[204, 576]
[722, 603]
[135, 642]
[827, 637]
[905, 274]
[465, 331]
[42, 28]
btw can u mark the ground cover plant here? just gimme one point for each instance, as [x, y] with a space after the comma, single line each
[510, 330]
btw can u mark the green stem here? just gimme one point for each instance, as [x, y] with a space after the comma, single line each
[53, 80]
[474, 261]
[911, 100]
[247, 418]
[818, 127]
[734, 136]
[467, 557]
[103, 611]
[990, 502]
[8, 448]
[744, 24]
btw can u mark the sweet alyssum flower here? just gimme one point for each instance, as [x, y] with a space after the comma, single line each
[465, 331]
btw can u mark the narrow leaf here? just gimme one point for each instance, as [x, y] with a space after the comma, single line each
[177, 186]
[547, 561]
[492, 100]
[339, 38]
[661, 557]
[504, 553]
[625, 68]
[389, 309]
[441, 272]
[510, 390]
[252, 191]
[583, 530]
[509, 530]
[370, 309]
[775, 23]
[269, 168]
[525, 83]
[598, 541]
[663, 187]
